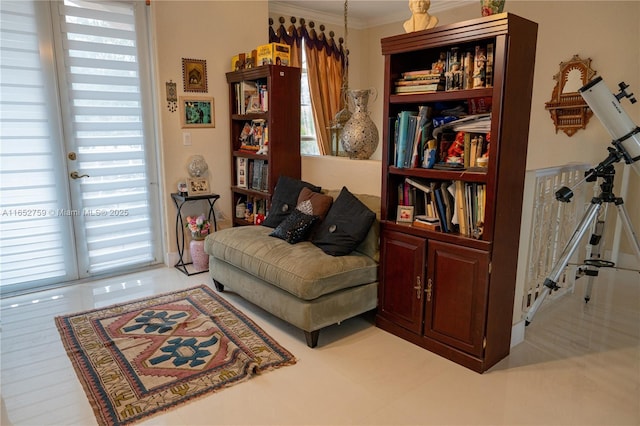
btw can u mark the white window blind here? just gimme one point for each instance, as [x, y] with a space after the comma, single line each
[31, 239]
[107, 220]
[107, 122]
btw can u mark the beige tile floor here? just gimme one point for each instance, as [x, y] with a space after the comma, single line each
[579, 365]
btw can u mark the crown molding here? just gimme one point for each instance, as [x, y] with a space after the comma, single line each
[288, 10]
[399, 13]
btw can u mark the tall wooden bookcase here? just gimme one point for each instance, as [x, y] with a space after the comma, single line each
[450, 293]
[281, 118]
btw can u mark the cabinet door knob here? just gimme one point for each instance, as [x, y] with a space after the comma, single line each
[429, 289]
[418, 287]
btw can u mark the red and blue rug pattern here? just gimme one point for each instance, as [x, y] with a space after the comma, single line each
[140, 358]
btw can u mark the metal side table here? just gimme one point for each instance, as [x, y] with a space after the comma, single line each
[180, 200]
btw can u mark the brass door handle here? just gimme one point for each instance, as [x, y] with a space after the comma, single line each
[418, 287]
[75, 175]
[429, 289]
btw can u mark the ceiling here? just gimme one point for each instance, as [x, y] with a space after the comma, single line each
[361, 13]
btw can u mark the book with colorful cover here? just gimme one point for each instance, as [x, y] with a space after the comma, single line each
[402, 145]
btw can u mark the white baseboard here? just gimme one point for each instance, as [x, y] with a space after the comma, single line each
[625, 260]
[172, 258]
[517, 333]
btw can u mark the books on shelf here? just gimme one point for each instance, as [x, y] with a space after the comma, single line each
[462, 67]
[251, 97]
[420, 88]
[420, 81]
[456, 144]
[402, 141]
[412, 133]
[248, 90]
[252, 174]
[449, 206]
[259, 175]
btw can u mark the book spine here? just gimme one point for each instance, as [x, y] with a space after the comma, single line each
[403, 127]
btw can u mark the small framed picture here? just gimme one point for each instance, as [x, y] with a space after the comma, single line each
[197, 112]
[194, 74]
[197, 186]
[405, 214]
[241, 171]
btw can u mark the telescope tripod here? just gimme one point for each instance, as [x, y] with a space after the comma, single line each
[590, 218]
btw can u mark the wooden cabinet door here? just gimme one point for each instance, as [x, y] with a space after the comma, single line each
[456, 296]
[402, 286]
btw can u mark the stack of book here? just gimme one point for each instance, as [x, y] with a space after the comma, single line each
[421, 81]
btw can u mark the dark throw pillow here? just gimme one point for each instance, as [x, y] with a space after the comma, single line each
[295, 227]
[285, 199]
[345, 226]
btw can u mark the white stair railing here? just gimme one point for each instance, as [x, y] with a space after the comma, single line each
[552, 225]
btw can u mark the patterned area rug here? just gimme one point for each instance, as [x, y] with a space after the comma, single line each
[140, 358]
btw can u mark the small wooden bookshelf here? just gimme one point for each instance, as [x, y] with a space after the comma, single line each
[264, 105]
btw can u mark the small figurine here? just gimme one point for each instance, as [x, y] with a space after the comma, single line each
[455, 154]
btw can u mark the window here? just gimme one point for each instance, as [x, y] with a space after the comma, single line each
[308, 141]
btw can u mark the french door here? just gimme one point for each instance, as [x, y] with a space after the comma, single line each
[78, 170]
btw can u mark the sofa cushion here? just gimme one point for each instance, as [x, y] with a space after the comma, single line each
[303, 269]
[345, 226]
[295, 227]
[285, 199]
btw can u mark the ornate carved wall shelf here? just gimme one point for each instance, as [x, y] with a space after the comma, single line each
[569, 112]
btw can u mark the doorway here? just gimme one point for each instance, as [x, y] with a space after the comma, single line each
[79, 171]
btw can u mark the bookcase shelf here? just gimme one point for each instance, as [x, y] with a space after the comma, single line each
[250, 155]
[440, 96]
[453, 292]
[279, 124]
[464, 175]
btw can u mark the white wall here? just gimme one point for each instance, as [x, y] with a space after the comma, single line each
[214, 31]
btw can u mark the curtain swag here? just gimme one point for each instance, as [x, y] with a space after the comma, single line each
[294, 35]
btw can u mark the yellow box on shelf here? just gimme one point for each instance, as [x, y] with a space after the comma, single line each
[274, 53]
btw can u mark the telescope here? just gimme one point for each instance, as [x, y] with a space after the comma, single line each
[626, 146]
[625, 133]
[606, 106]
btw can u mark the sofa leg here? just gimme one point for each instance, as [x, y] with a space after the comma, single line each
[312, 338]
[218, 286]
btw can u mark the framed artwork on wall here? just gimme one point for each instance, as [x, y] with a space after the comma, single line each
[197, 112]
[194, 75]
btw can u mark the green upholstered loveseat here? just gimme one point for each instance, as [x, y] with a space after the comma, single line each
[298, 283]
